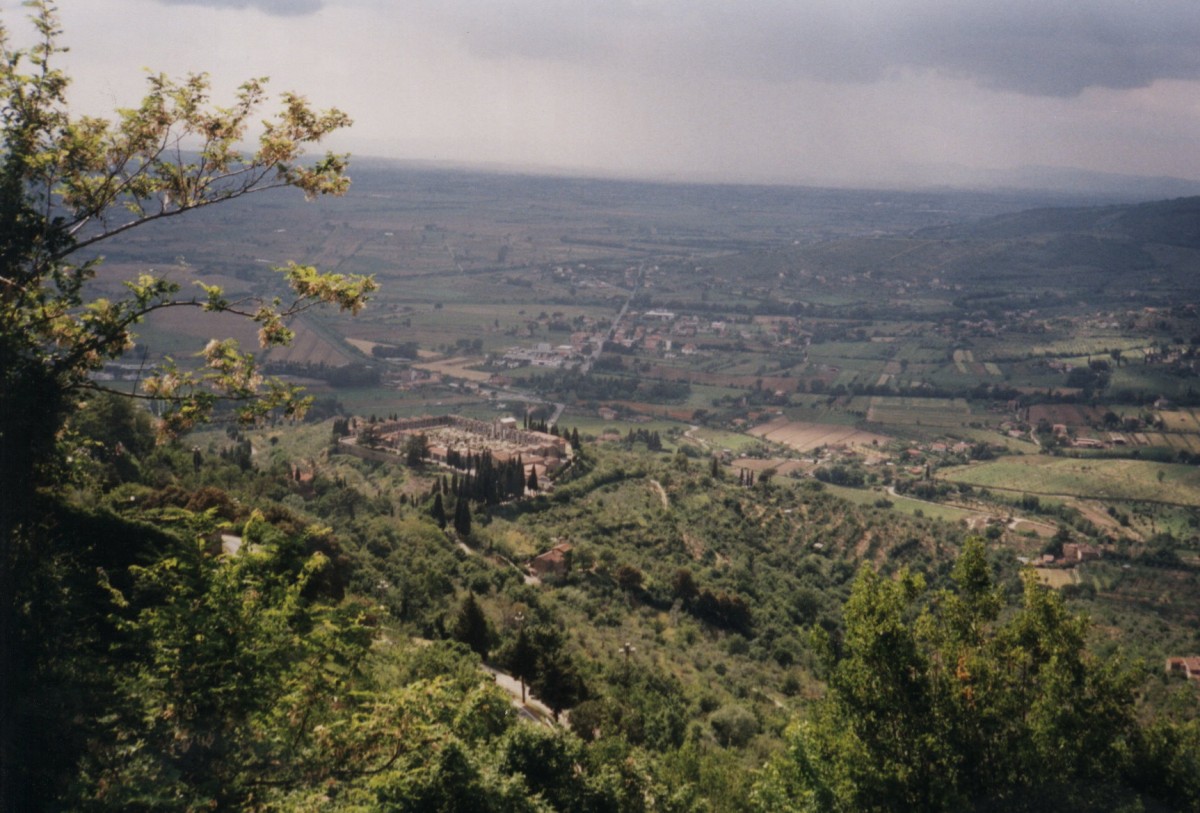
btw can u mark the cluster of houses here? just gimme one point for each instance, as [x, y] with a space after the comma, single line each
[658, 331]
[543, 354]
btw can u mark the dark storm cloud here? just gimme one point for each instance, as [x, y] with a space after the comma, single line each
[279, 8]
[1033, 47]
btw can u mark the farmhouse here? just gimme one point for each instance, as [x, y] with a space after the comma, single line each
[554, 562]
[1074, 552]
[1188, 667]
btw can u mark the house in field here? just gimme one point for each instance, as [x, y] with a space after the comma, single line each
[1074, 552]
[554, 562]
[1188, 667]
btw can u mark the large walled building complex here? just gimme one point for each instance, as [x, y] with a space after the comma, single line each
[445, 435]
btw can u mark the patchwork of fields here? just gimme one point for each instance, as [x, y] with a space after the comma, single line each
[185, 331]
[1175, 429]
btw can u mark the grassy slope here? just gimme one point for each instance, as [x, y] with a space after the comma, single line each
[1102, 479]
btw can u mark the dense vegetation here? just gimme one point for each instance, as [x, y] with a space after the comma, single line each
[247, 619]
[332, 662]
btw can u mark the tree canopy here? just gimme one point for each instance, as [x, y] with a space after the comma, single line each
[68, 184]
[938, 702]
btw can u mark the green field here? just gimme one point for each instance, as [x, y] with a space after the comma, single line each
[1086, 478]
[718, 439]
[906, 505]
[939, 412]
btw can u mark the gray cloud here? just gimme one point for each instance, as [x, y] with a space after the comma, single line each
[279, 8]
[1032, 47]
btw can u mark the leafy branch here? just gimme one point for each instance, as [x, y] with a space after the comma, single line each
[69, 183]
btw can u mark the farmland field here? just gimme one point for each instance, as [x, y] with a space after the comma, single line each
[1087, 478]
[901, 411]
[1055, 577]
[1066, 414]
[719, 439]
[455, 367]
[781, 466]
[185, 332]
[309, 347]
[804, 436]
[1179, 420]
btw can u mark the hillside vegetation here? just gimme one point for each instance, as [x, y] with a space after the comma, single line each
[851, 501]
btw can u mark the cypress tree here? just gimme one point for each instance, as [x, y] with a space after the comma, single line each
[462, 517]
[439, 512]
[471, 627]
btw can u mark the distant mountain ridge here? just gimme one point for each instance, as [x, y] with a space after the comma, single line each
[1165, 222]
[1041, 181]
[1112, 256]
[1061, 180]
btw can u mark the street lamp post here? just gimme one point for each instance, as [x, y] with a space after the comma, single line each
[520, 632]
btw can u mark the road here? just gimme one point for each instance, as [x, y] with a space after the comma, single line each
[586, 366]
[690, 435]
[532, 709]
[662, 493]
[612, 331]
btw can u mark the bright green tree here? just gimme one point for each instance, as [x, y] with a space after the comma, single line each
[69, 183]
[228, 682]
[940, 702]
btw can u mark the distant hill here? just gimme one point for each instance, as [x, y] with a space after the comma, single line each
[1099, 187]
[1145, 251]
[1166, 222]
[1112, 256]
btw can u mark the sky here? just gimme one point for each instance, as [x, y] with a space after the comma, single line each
[850, 92]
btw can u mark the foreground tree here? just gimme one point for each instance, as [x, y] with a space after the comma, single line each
[67, 184]
[939, 703]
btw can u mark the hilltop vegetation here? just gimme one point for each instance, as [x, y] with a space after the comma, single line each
[816, 436]
[333, 661]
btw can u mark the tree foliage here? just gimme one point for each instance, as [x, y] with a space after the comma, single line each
[940, 703]
[68, 183]
[229, 682]
[471, 627]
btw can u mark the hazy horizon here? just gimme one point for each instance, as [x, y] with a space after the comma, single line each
[903, 93]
